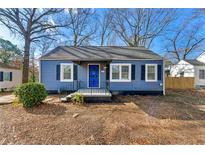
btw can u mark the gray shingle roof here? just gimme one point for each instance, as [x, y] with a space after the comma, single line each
[195, 62]
[88, 53]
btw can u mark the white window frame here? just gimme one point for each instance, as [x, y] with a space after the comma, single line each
[120, 75]
[62, 73]
[146, 72]
[199, 73]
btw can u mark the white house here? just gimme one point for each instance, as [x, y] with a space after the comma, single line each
[10, 76]
[201, 58]
[191, 68]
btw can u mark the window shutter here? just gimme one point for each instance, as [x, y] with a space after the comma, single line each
[1, 76]
[159, 72]
[11, 76]
[142, 72]
[133, 72]
[75, 72]
[107, 72]
[58, 72]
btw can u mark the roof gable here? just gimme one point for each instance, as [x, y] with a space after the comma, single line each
[193, 62]
[201, 58]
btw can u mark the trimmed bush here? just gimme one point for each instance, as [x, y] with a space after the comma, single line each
[78, 98]
[30, 94]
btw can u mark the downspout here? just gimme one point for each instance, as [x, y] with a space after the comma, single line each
[39, 77]
[164, 93]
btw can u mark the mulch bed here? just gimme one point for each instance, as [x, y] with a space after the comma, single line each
[126, 120]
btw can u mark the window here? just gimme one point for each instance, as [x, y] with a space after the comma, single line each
[6, 76]
[125, 72]
[115, 72]
[151, 72]
[120, 72]
[67, 72]
[202, 74]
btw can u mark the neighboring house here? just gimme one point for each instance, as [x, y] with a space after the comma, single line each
[118, 69]
[10, 76]
[190, 68]
[201, 57]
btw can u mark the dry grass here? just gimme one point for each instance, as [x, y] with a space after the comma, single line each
[178, 118]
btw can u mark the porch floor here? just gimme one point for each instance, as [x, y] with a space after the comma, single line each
[92, 94]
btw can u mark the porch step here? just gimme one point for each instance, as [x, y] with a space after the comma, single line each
[101, 94]
[64, 99]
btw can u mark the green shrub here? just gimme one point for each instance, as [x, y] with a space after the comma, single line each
[30, 94]
[78, 98]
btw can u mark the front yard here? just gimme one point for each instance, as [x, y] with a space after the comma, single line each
[178, 118]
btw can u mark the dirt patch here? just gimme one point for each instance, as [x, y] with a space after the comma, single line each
[173, 119]
[5, 93]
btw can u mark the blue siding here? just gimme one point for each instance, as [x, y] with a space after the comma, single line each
[83, 75]
[138, 84]
[48, 77]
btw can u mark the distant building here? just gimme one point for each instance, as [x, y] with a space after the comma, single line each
[10, 76]
[191, 68]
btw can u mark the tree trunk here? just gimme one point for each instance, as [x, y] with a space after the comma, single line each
[33, 68]
[25, 72]
[102, 42]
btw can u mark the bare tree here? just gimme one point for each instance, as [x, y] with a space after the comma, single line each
[139, 27]
[80, 26]
[45, 45]
[184, 40]
[198, 13]
[32, 25]
[105, 29]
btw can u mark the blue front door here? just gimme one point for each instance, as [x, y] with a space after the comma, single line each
[94, 76]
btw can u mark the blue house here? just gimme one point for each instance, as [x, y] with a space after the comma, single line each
[115, 69]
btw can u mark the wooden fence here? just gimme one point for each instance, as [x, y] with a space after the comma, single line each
[179, 82]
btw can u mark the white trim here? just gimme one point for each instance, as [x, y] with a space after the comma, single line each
[39, 73]
[61, 72]
[120, 66]
[102, 60]
[146, 73]
[164, 92]
[98, 74]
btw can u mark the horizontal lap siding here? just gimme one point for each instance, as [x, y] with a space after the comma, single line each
[83, 74]
[16, 78]
[198, 82]
[138, 84]
[48, 75]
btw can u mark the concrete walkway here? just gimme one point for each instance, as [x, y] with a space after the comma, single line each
[7, 99]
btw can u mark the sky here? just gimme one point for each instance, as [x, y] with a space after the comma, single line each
[157, 45]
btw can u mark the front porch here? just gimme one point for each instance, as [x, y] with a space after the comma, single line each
[90, 78]
[91, 94]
